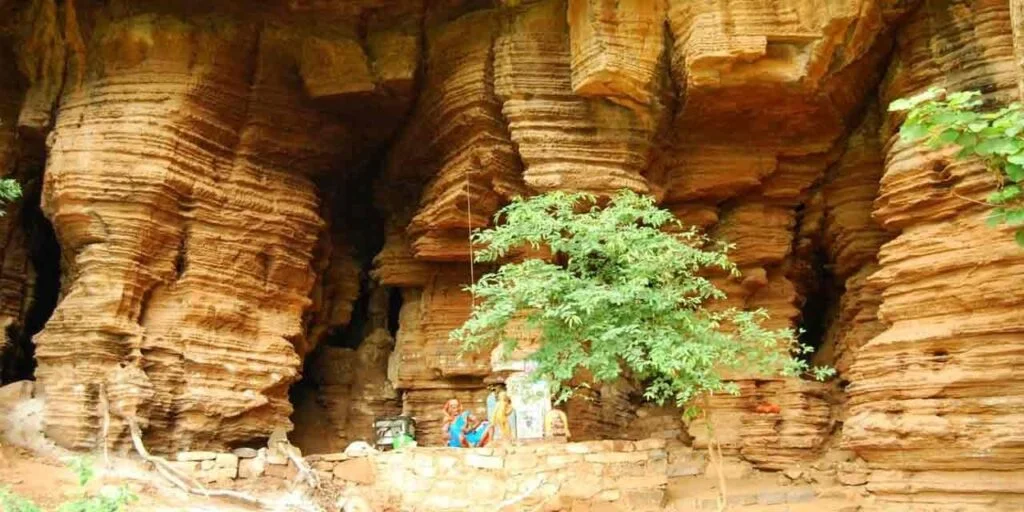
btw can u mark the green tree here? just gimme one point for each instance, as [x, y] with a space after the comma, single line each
[621, 295]
[996, 137]
[10, 190]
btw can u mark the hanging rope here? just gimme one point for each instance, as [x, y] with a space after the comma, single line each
[469, 227]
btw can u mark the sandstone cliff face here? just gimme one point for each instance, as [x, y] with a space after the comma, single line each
[180, 182]
[205, 177]
[933, 398]
[660, 98]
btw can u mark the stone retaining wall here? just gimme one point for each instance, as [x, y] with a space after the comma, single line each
[589, 476]
[595, 475]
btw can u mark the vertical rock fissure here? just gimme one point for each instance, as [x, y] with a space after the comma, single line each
[329, 383]
[42, 289]
[820, 302]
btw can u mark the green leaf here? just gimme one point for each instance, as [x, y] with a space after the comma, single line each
[1005, 194]
[1015, 217]
[1016, 158]
[900, 104]
[998, 146]
[913, 132]
[967, 141]
[977, 126]
[948, 136]
[1015, 172]
[996, 217]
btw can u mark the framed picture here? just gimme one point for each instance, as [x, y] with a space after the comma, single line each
[531, 401]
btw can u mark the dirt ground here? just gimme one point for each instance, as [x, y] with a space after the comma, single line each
[48, 482]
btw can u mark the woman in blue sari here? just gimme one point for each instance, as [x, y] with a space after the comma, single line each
[464, 430]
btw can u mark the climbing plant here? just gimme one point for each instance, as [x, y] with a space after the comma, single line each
[620, 293]
[994, 136]
[10, 190]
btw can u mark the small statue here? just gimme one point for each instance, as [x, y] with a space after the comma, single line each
[492, 403]
[463, 428]
[503, 419]
[556, 426]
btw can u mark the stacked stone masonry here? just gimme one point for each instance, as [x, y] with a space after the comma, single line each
[596, 475]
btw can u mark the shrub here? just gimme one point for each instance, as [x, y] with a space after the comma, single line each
[621, 295]
[9, 191]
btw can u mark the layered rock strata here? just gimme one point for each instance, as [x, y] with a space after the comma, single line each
[585, 95]
[846, 230]
[774, 424]
[179, 181]
[192, 155]
[351, 391]
[934, 401]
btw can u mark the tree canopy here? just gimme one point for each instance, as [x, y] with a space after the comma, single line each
[621, 295]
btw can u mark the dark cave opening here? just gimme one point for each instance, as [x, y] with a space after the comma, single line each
[354, 225]
[43, 292]
[819, 308]
[394, 310]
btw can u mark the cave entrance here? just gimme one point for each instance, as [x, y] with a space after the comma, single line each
[39, 277]
[819, 311]
[344, 376]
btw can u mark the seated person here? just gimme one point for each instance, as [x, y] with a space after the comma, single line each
[463, 428]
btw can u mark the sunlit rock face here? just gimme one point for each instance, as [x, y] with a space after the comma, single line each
[934, 399]
[180, 181]
[225, 181]
[729, 112]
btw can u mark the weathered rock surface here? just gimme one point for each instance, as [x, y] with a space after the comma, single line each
[934, 399]
[845, 229]
[344, 389]
[203, 164]
[587, 95]
[773, 424]
[179, 180]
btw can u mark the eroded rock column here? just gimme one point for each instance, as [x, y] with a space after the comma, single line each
[770, 95]
[176, 183]
[935, 399]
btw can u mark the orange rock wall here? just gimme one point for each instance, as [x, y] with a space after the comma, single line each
[934, 400]
[665, 98]
[194, 157]
[180, 179]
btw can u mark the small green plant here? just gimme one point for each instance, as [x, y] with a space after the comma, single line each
[10, 502]
[997, 137]
[10, 190]
[82, 466]
[620, 295]
[106, 500]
